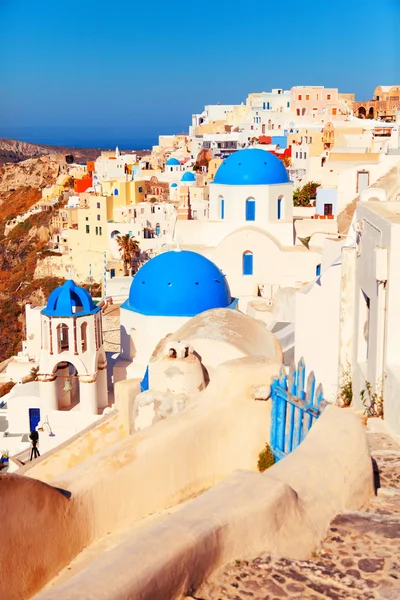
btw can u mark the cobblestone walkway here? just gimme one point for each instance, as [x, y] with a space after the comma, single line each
[358, 560]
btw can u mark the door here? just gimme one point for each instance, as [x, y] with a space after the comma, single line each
[362, 181]
[328, 208]
[34, 418]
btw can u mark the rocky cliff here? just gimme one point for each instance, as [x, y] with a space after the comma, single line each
[14, 151]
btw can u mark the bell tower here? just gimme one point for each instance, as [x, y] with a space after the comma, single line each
[72, 361]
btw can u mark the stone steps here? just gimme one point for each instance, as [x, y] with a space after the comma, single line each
[358, 560]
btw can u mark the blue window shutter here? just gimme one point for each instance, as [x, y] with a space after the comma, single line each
[279, 208]
[250, 210]
[318, 270]
[247, 263]
[222, 208]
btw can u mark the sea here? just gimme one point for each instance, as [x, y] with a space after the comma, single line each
[82, 137]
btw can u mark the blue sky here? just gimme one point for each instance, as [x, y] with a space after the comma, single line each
[99, 72]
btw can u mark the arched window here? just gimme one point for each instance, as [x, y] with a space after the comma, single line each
[250, 209]
[62, 337]
[247, 263]
[298, 112]
[280, 208]
[221, 208]
[303, 111]
[158, 229]
[45, 334]
[116, 192]
[115, 233]
[84, 336]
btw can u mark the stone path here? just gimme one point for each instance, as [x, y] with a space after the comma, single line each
[358, 560]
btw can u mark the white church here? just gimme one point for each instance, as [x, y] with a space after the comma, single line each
[250, 231]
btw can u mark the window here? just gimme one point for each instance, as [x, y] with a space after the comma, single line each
[364, 318]
[140, 189]
[297, 155]
[112, 273]
[116, 192]
[247, 266]
[100, 231]
[318, 270]
[87, 228]
[305, 154]
[250, 209]
[328, 97]
[328, 209]
[98, 205]
[280, 208]
[84, 336]
[334, 111]
[87, 218]
[98, 217]
[301, 155]
[62, 337]
[288, 105]
[307, 97]
[299, 97]
[221, 208]
[310, 140]
[97, 231]
[45, 339]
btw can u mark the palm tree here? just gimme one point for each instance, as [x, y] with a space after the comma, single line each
[129, 248]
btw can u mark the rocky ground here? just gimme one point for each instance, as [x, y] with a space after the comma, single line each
[358, 560]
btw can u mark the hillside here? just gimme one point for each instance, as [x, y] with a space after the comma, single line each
[14, 151]
[20, 188]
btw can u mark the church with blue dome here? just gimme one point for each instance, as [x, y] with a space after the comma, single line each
[251, 166]
[252, 188]
[165, 293]
[249, 228]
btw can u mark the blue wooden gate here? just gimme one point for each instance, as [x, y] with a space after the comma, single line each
[294, 409]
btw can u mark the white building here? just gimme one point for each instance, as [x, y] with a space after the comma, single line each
[165, 293]
[250, 233]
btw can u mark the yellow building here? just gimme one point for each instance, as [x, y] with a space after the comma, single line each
[312, 138]
[125, 192]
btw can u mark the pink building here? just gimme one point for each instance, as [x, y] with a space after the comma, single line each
[318, 103]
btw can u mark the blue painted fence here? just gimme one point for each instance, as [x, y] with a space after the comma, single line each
[294, 409]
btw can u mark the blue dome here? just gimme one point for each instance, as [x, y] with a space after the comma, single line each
[188, 176]
[251, 166]
[172, 162]
[178, 283]
[69, 300]
[174, 185]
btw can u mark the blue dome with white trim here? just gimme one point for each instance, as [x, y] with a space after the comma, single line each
[172, 162]
[69, 300]
[251, 166]
[174, 185]
[178, 283]
[188, 176]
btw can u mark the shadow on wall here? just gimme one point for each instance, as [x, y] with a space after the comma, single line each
[220, 431]
[41, 531]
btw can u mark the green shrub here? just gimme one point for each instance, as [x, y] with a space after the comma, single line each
[345, 392]
[266, 459]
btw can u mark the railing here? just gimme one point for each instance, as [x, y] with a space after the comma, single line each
[294, 410]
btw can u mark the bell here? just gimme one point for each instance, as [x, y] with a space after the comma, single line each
[67, 386]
